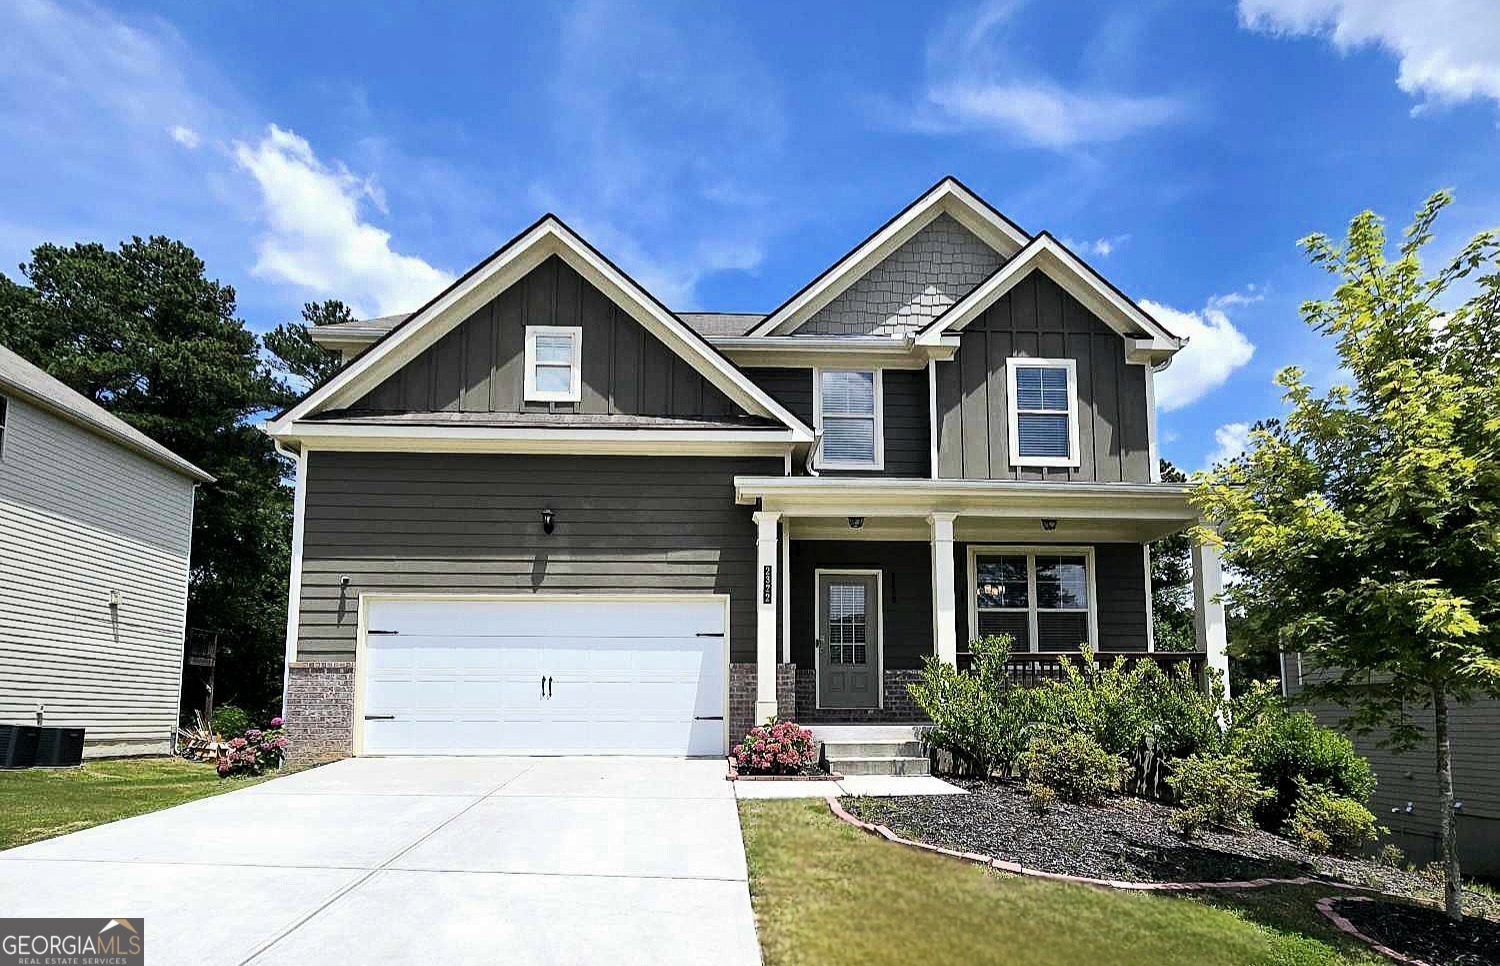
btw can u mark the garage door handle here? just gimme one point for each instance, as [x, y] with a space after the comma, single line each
[380, 717]
[708, 717]
[710, 634]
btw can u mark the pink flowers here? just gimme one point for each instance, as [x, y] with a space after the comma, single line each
[253, 752]
[276, 722]
[781, 747]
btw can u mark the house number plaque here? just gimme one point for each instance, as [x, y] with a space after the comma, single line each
[765, 584]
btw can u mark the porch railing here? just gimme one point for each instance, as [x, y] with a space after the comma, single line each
[1030, 669]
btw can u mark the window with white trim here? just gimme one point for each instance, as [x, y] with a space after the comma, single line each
[4, 412]
[1042, 598]
[554, 355]
[1043, 396]
[847, 413]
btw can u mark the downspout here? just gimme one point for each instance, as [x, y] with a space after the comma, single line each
[294, 573]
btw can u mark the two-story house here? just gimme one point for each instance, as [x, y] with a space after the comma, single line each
[544, 513]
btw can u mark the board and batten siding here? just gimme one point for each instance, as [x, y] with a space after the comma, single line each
[1037, 319]
[80, 518]
[461, 523]
[908, 451]
[480, 365]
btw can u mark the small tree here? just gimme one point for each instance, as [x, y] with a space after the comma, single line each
[296, 354]
[1171, 582]
[1365, 526]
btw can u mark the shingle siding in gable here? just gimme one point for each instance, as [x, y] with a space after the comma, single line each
[1037, 319]
[912, 286]
[479, 365]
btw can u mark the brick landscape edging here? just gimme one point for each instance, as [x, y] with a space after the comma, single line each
[735, 776]
[1018, 869]
[1325, 906]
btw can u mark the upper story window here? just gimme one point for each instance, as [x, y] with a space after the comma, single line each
[847, 414]
[4, 412]
[1043, 412]
[553, 360]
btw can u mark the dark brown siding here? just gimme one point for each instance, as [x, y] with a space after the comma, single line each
[908, 450]
[1119, 583]
[430, 523]
[1038, 319]
[906, 589]
[479, 366]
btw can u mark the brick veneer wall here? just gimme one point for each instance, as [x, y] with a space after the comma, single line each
[320, 711]
[899, 705]
[742, 697]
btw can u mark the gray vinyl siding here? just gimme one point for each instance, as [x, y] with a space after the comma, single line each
[451, 523]
[1037, 319]
[480, 365]
[1411, 777]
[81, 517]
[906, 594]
[908, 447]
[1119, 585]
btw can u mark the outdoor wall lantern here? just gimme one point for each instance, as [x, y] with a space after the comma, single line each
[856, 523]
[1049, 525]
[549, 520]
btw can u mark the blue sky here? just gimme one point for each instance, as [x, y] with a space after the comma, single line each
[726, 153]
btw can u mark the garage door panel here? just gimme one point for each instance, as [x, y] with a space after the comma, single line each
[466, 676]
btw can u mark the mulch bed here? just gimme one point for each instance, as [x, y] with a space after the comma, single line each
[1424, 933]
[1127, 839]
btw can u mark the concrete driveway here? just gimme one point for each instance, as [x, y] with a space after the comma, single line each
[443, 860]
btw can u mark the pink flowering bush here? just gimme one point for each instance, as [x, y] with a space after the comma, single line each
[254, 752]
[779, 748]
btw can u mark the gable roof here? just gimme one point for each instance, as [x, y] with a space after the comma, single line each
[949, 196]
[23, 380]
[546, 237]
[1078, 279]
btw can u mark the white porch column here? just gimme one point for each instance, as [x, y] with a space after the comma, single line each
[944, 610]
[1208, 611]
[766, 556]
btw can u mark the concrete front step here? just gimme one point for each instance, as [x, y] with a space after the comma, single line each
[878, 748]
[879, 765]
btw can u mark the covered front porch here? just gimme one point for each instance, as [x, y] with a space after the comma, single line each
[861, 579]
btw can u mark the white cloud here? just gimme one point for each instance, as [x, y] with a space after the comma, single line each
[1214, 351]
[977, 82]
[185, 136]
[1230, 441]
[318, 238]
[1448, 50]
[1102, 247]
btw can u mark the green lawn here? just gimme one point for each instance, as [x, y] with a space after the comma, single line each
[826, 893]
[40, 803]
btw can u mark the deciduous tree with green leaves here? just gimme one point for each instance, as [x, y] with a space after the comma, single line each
[1365, 524]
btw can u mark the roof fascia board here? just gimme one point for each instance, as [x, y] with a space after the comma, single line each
[803, 352]
[471, 439]
[948, 195]
[1000, 498]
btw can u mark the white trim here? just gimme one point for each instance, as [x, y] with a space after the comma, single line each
[1152, 453]
[574, 392]
[1031, 552]
[767, 553]
[932, 417]
[360, 644]
[946, 196]
[485, 439]
[294, 581]
[844, 352]
[818, 603]
[1150, 607]
[4, 419]
[879, 414]
[187, 590]
[1014, 363]
[1209, 629]
[503, 269]
[944, 607]
[1078, 280]
[786, 596]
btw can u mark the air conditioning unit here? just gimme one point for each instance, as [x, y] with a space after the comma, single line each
[18, 745]
[59, 748]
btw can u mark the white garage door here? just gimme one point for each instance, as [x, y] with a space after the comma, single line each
[544, 676]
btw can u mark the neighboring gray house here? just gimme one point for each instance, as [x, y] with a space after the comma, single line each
[1406, 798]
[544, 513]
[96, 523]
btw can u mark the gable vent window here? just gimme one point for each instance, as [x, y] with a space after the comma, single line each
[1043, 412]
[847, 413]
[553, 354]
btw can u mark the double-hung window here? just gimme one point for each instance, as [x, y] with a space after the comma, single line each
[1041, 596]
[553, 356]
[1043, 401]
[847, 407]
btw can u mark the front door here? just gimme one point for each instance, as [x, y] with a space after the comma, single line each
[848, 640]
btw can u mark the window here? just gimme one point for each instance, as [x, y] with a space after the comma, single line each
[4, 411]
[552, 363]
[846, 410]
[1042, 597]
[1043, 412]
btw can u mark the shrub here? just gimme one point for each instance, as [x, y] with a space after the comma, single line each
[977, 716]
[1041, 797]
[778, 748]
[1215, 790]
[1323, 821]
[229, 721]
[1289, 749]
[1073, 765]
[253, 753]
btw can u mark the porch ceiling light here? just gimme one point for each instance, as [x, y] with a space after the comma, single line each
[856, 523]
[549, 520]
[1049, 525]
